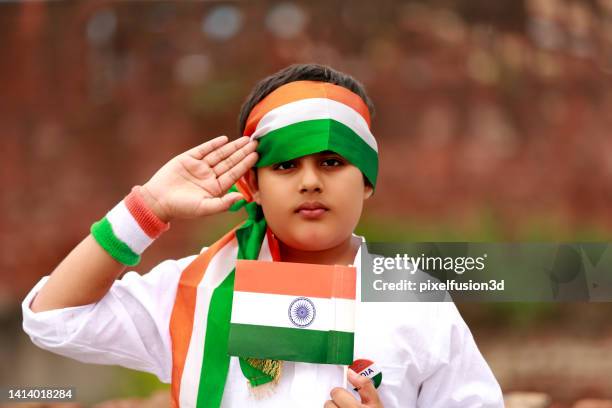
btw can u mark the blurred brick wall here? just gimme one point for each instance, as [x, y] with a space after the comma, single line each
[497, 106]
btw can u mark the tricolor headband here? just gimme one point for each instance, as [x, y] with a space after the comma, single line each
[306, 117]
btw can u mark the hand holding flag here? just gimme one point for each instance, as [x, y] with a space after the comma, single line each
[341, 398]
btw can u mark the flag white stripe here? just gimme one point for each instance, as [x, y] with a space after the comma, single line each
[126, 228]
[314, 108]
[266, 309]
[219, 267]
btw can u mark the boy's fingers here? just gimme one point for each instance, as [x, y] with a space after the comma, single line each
[232, 175]
[202, 150]
[221, 153]
[329, 404]
[342, 398]
[365, 387]
[219, 204]
[234, 159]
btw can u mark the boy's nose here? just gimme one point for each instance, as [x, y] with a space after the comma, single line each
[310, 179]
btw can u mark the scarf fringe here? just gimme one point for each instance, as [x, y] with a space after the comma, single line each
[262, 391]
[273, 368]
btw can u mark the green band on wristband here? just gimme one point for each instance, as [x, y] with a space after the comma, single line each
[103, 233]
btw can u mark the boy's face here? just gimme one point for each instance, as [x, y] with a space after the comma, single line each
[313, 202]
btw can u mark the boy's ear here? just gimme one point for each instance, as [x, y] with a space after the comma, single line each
[367, 192]
[251, 179]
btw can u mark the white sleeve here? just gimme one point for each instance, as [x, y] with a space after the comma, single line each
[461, 377]
[129, 326]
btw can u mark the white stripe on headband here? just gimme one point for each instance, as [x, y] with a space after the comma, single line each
[312, 109]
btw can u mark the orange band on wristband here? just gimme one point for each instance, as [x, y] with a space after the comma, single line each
[150, 223]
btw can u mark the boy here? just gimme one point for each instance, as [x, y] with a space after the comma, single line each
[316, 162]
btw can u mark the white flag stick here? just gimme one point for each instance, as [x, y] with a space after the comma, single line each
[345, 380]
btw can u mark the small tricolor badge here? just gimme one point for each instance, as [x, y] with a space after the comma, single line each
[367, 368]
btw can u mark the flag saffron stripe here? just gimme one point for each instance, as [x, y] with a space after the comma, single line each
[322, 281]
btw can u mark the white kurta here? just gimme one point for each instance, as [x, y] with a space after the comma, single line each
[425, 351]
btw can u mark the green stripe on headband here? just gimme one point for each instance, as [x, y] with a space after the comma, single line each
[314, 136]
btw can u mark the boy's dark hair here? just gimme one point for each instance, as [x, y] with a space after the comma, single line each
[301, 72]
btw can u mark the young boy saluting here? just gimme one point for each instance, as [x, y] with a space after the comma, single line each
[303, 171]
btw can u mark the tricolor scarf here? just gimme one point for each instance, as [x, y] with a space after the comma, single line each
[297, 119]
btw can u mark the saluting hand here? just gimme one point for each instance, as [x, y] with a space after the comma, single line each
[195, 183]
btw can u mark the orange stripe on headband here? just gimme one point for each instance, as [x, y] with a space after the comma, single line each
[297, 90]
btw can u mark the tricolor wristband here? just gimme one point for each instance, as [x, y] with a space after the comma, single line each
[128, 229]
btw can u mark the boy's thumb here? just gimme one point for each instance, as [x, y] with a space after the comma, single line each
[232, 198]
[364, 386]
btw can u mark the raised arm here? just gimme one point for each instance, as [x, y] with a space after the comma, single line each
[192, 184]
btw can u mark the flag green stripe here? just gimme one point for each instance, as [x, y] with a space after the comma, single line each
[215, 363]
[314, 136]
[282, 343]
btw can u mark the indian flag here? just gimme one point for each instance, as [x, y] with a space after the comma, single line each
[293, 312]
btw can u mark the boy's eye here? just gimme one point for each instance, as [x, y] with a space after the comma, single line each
[284, 165]
[327, 162]
[333, 161]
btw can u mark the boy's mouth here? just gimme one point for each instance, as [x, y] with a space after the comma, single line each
[311, 209]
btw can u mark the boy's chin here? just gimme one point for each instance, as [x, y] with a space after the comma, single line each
[313, 241]
[310, 246]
